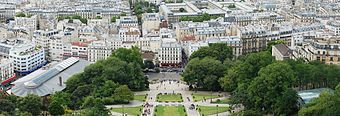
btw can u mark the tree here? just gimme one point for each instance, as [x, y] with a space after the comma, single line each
[123, 94]
[31, 103]
[60, 18]
[232, 6]
[113, 19]
[94, 107]
[219, 51]
[82, 91]
[129, 55]
[181, 9]
[107, 90]
[271, 91]
[245, 70]
[83, 20]
[89, 102]
[76, 17]
[149, 64]
[20, 14]
[98, 17]
[204, 73]
[96, 112]
[272, 43]
[6, 106]
[123, 14]
[149, 10]
[56, 108]
[62, 98]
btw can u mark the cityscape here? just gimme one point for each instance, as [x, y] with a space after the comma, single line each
[169, 57]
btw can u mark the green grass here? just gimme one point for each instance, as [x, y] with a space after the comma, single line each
[199, 96]
[222, 101]
[129, 110]
[210, 110]
[169, 98]
[140, 97]
[170, 111]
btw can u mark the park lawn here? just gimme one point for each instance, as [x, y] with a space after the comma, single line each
[169, 98]
[170, 111]
[210, 110]
[200, 96]
[129, 110]
[140, 97]
[222, 101]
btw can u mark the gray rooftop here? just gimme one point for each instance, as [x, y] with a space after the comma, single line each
[46, 81]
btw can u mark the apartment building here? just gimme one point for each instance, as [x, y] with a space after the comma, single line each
[99, 50]
[7, 74]
[150, 22]
[127, 22]
[7, 11]
[334, 27]
[244, 19]
[129, 34]
[27, 23]
[233, 41]
[199, 30]
[326, 50]
[27, 57]
[75, 49]
[170, 55]
[56, 47]
[253, 38]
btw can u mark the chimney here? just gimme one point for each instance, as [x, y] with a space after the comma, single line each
[60, 81]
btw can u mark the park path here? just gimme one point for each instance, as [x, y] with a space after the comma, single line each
[171, 87]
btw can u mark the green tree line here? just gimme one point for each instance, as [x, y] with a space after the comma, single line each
[200, 18]
[83, 20]
[258, 82]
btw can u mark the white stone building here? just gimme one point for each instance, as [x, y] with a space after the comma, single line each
[334, 27]
[129, 34]
[170, 55]
[99, 50]
[75, 49]
[150, 22]
[26, 23]
[27, 57]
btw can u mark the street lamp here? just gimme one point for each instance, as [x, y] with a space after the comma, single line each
[217, 110]
[211, 96]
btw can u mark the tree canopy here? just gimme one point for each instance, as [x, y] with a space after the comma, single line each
[245, 69]
[271, 91]
[83, 20]
[103, 78]
[55, 108]
[31, 103]
[218, 51]
[20, 14]
[204, 73]
[201, 18]
[123, 93]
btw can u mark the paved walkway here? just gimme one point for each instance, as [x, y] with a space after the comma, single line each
[171, 87]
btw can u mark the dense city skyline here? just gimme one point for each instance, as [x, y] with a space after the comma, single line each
[169, 57]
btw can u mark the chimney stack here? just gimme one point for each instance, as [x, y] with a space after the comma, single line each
[60, 81]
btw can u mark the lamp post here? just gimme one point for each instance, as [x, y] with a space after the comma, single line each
[123, 109]
[217, 110]
[211, 96]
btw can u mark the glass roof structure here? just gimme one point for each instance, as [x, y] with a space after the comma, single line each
[46, 81]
